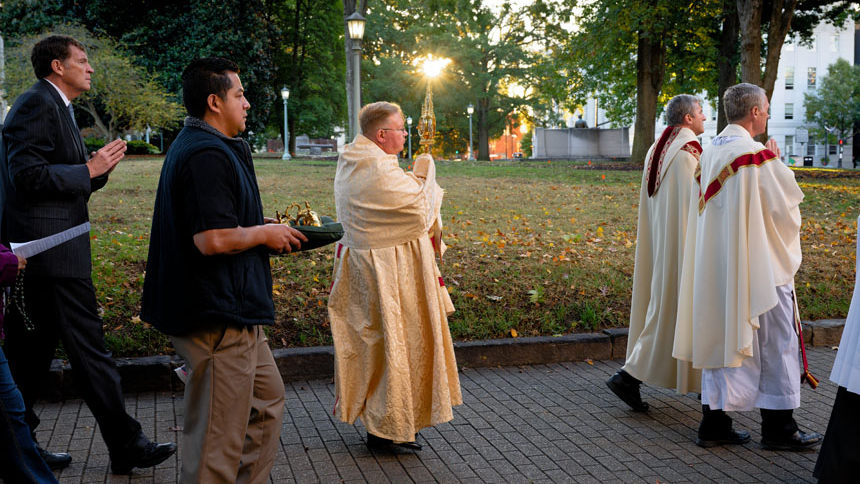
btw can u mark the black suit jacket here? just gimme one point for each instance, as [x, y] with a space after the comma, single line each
[46, 184]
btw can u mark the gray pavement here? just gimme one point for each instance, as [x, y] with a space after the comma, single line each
[555, 423]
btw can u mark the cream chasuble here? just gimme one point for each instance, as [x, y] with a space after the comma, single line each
[846, 368]
[743, 240]
[394, 357]
[664, 204]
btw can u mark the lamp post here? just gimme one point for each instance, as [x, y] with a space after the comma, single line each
[470, 109]
[355, 25]
[285, 94]
[3, 105]
[827, 141]
[409, 124]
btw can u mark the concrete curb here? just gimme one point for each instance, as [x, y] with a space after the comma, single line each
[155, 373]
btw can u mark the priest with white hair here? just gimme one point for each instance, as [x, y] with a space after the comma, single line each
[737, 316]
[664, 206]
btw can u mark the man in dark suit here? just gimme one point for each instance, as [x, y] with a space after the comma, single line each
[47, 181]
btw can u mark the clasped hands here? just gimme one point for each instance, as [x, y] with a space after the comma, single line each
[103, 161]
[771, 145]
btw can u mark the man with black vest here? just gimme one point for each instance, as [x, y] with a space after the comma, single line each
[47, 181]
[209, 286]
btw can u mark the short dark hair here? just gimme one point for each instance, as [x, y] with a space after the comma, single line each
[203, 77]
[48, 49]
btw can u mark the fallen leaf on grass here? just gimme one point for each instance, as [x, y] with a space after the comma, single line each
[494, 298]
[513, 333]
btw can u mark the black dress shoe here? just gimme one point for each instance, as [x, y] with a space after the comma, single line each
[374, 441]
[55, 460]
[799, 440]
[732, 437]
[141, 454]
[627, 389]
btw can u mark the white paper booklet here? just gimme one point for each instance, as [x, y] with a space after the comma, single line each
[33, 247]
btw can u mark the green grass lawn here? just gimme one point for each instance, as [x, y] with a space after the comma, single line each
[534, 248]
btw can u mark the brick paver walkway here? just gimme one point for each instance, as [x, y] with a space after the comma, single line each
[551, 423]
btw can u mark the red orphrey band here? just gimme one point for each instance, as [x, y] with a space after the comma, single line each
[756, 160]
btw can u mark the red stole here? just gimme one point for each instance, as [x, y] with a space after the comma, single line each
[750, 159]
[655, 163]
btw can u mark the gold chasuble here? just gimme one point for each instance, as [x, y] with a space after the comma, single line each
[664, 205]
[743, 241]
[389, 308]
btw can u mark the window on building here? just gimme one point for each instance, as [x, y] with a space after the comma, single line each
[811, 78]
[789, 110]
[834, 43]
[832, 149]
[789, 78]
[810, 149]
[789, 145]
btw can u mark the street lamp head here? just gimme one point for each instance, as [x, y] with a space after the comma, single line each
[355, 24]
[470, 109]
[409, 120]
[285, 93]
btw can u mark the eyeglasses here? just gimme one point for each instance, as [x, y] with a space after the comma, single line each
[395, 129]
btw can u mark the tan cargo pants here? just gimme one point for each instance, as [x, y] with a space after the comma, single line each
[234, 404]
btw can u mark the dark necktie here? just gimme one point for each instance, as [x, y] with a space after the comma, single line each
[72, 114]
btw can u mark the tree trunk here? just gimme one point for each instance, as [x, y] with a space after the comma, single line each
[650, 66]
[483, 130]
[99, 124]
[749, 15]
[350, 6]
[780, 22]
[727, 62]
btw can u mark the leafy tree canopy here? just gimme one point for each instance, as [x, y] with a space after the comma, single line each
[165, 35]
[836, 102]
[123, 96]
[311, 63]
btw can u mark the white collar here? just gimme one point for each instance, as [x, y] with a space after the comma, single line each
[62, 94]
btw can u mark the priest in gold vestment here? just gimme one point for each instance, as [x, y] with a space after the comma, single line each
[664, 205]
[389, 308]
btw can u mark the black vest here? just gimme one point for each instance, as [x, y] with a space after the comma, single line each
[184, 290]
